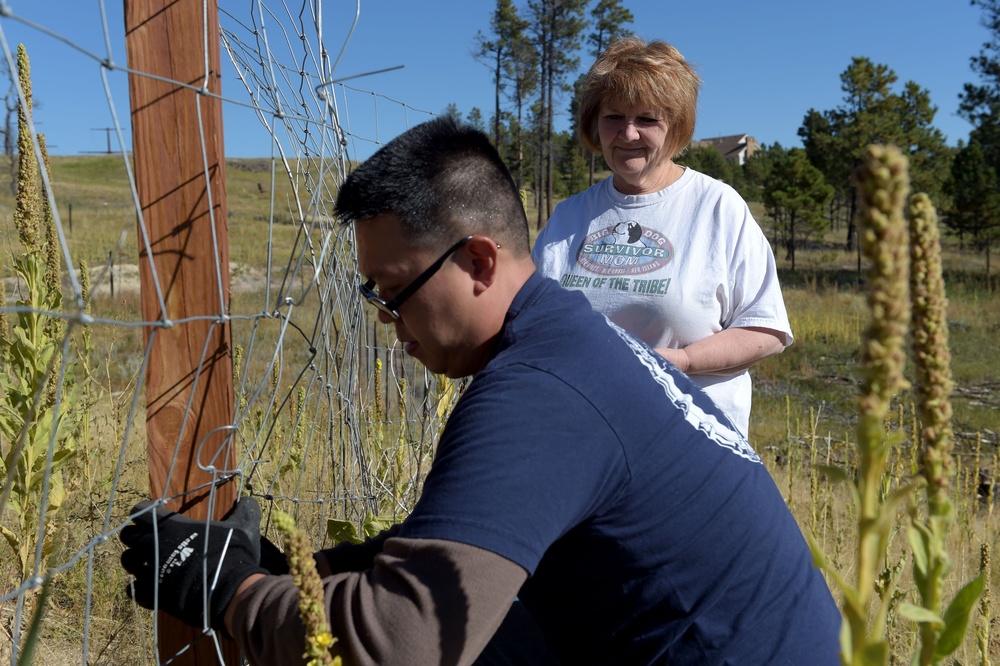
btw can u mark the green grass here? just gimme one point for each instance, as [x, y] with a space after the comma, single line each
[98, 215]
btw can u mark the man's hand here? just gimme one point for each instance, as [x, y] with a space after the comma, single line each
[176, 559]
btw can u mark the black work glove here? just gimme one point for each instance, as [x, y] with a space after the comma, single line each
[271, 558]
[193, 554]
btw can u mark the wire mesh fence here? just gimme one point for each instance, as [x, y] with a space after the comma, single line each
[328, 419]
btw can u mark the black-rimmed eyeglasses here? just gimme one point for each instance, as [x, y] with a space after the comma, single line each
[391, 307]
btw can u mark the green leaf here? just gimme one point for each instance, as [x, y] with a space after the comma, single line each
[35, 628]
[887, 514]
[62, 455]
[342, 530]
[837, 474]
[845, 640]
[876, 653]
[956, 617]
[375, 525]
[916, 613]
[918, 536]
[852, 604]
[818, 556]
[12, 540]
[22, 339]
[840, 475]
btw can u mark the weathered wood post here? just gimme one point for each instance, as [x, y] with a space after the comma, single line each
[189, 389]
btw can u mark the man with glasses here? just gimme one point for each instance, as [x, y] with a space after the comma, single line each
[581, 483]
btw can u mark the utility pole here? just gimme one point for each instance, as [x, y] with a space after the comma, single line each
[107, 131]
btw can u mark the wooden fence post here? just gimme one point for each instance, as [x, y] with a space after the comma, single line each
[189, 387]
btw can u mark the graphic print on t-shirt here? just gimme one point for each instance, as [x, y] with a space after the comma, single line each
[625, 248]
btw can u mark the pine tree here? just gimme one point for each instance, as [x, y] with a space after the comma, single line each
[795, 195]
[980, 105]
[872, 112]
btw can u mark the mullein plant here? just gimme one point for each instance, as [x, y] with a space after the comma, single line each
[883, 187]
[312, 606]
[53, 270]
[882, 184]
[940, 634]
[401, 475]
[36, 436]
[4, 322]
[985, 615]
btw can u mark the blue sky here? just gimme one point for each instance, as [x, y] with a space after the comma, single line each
[764, 64]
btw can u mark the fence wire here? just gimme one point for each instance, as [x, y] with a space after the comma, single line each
[330, 420]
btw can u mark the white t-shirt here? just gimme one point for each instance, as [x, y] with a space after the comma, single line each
[671, 268]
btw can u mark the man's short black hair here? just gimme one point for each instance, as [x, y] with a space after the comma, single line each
[443, 180]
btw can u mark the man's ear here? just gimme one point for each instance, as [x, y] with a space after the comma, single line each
[483, 252]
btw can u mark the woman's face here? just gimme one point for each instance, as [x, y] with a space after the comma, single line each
[633, 140]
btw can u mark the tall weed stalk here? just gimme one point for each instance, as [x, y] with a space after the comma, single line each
[302, 567]
[941, 630]
[898, 302]
[38, 435]
[883, 184]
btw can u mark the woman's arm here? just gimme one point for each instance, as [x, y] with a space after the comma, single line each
[727, 352]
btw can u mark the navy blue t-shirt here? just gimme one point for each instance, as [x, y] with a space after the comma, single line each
[650, 530]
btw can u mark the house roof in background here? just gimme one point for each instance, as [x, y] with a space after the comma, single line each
[727, 145]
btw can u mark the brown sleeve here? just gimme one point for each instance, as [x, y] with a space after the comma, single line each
[425, 601]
